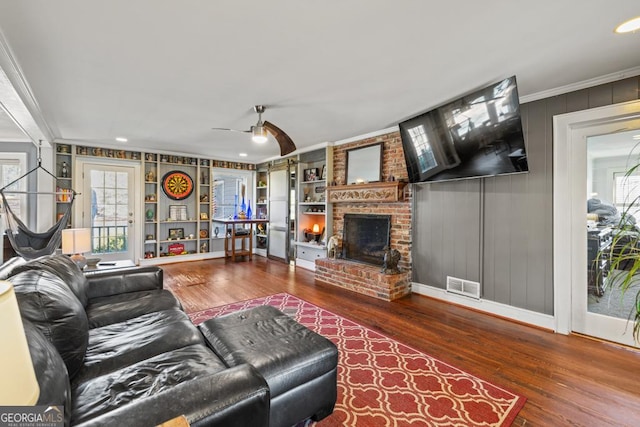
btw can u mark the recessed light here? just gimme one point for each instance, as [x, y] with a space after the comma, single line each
[636, 137]
[243, 154]
[628, 26]
[121, 139]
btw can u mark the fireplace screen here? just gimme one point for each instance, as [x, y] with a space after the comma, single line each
[365, 236]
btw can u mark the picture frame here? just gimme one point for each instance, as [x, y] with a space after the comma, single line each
[311, 174]
[176, 233]
[177, 212]
[204, 216]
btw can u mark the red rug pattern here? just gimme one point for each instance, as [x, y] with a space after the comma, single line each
[382, 382]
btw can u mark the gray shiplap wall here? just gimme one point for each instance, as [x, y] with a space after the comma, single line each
[499, 230]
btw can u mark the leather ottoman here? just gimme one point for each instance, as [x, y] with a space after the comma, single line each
[299, 365]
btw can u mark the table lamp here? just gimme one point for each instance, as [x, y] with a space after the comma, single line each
[75, 241]
[19, 384]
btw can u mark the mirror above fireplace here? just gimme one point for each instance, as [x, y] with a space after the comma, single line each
[364, 164]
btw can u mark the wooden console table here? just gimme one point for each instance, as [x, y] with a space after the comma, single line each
[231, 235]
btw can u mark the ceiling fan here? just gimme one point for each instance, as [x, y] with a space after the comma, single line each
[259, 133]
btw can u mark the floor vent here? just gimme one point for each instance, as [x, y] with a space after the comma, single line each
[463, 287]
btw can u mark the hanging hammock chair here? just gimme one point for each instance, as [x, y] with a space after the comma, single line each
[29, 244]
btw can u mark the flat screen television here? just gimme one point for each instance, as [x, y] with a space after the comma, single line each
[477, 135]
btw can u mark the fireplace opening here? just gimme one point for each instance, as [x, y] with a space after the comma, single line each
[365, 236]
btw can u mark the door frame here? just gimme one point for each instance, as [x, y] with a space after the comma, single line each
[138, 202]
[569, 130]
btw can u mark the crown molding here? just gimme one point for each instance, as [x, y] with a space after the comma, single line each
[17, 99]
[584, 84]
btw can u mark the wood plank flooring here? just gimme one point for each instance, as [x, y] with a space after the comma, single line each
[568, 380]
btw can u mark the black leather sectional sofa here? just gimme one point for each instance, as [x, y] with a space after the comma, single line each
[115, 348]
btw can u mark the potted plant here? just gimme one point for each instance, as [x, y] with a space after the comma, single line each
[623, 255]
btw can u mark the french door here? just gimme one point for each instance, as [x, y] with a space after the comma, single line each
[279, 182]
[109, 207]
[593, 157]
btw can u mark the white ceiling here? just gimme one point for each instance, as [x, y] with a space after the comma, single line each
[163, 73]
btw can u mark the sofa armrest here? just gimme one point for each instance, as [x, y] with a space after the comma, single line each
[113, 282]
[237, 396]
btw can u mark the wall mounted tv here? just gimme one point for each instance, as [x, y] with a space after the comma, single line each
[477, 135]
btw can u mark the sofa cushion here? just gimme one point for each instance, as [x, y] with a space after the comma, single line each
[50, 305]
[141, 380]
[122, 307]
[63, 267]
[50, 370]
[121, 344]
[7, 268]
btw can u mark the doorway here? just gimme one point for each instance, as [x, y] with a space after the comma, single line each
[583, 147]
[110, 209]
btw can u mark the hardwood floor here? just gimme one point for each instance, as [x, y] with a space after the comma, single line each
[568, 380]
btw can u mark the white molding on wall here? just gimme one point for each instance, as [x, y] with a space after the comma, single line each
[585, 84]
[367, 135]
[503, 310]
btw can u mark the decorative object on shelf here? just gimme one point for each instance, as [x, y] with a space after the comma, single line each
[164, 158]
[235, 207]
[324, 172]
[204, 216]
[149, 237]
[176, 233]
[150, 176]
[249, 213]
[177, 212]
[64, 149]
[148, 157]
[177, 185]
[176, 249]
[150, 214]
[64, 172]
[149, 254]
[261, 229]
[192, 236]
[76, 241]
[204, 233]
[216, 231]
[204, 179]
[204, 198]
[204, 247]
[150, 198]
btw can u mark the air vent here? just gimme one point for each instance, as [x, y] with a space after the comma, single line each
[463, 287]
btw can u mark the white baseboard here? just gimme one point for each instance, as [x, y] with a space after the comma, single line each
[308, 265]
[503, 310]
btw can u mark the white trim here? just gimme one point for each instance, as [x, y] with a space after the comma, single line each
[503, 310]
[368, 135]
[307, 265]
[567, 129]
[585, 84]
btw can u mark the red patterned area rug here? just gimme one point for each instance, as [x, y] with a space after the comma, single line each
[382, 382]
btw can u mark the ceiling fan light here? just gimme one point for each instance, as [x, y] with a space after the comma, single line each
[259, 134]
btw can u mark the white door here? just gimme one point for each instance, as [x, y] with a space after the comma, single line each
[599, 154]
[110, 209]
[279, 214]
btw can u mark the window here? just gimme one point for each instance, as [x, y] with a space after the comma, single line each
[13, 166]
[423, 148]
[626, 193]
[227, 192]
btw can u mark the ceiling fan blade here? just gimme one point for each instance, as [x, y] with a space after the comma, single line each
[286, 144]
[232, 130]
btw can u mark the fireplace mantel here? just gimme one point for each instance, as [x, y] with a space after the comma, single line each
[373, 192]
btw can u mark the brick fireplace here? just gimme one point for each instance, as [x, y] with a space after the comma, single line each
[390, 197]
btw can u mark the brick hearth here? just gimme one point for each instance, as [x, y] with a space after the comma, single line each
[362, 278]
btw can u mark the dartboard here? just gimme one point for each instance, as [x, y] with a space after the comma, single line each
[177, 185]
